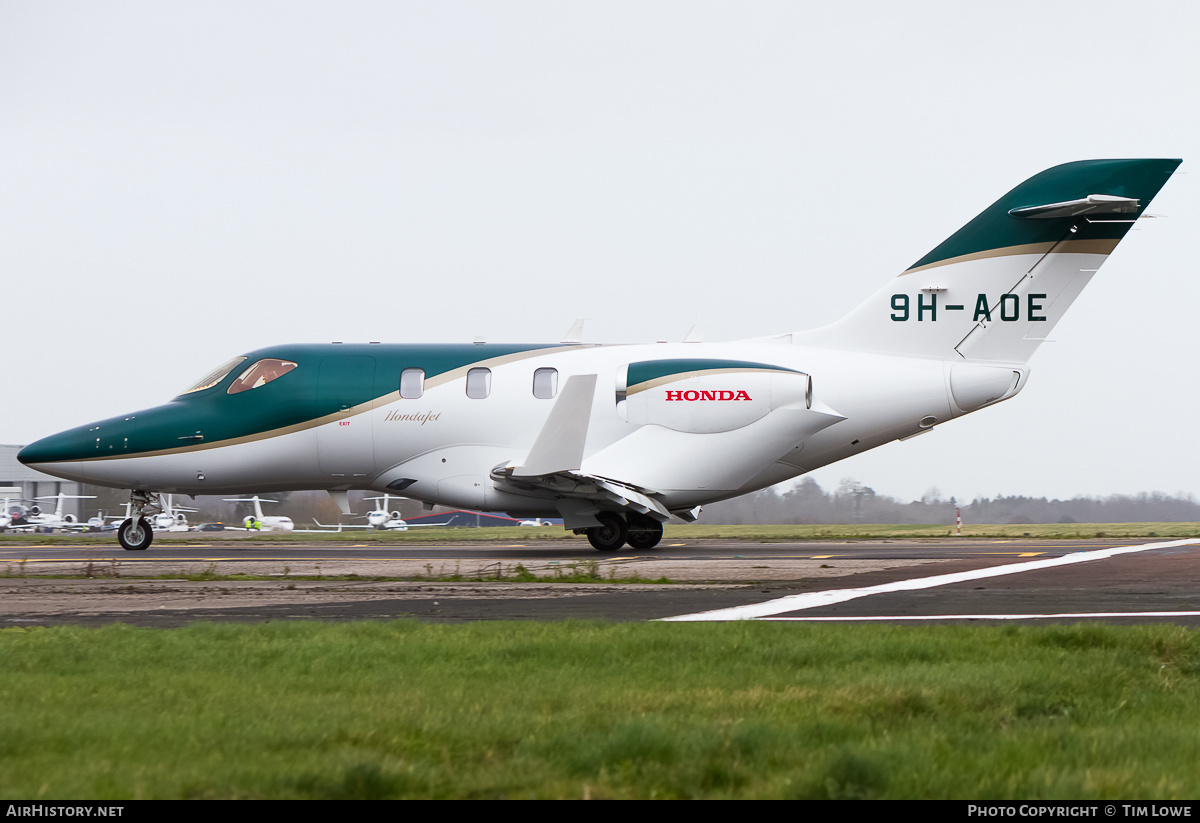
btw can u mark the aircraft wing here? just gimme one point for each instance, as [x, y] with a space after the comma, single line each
[579, 497]
[552, 467]
[324, 528]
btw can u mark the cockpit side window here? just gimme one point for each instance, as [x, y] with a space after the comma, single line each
[260, 374]
[214, 377]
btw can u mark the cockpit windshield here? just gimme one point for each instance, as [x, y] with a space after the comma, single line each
[260, 374]
[215, 376]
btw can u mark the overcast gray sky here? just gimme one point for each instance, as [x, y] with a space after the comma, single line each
[182, 182]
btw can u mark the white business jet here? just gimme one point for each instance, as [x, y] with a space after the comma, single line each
[258, 521]
[618, 439]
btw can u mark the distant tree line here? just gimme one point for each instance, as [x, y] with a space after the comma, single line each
[853, 502]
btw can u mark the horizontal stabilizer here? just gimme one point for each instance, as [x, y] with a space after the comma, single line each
[1092, 204]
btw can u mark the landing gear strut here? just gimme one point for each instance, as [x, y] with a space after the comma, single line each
[135, 534]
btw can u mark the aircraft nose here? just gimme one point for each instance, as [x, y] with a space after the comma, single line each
[64, 446]
[59, 454]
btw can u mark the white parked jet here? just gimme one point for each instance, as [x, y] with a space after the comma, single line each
[172, 518]
[258, 521]
[617, 439]
[10, 493]
[385, 520]
[379, 519]
[36, 519]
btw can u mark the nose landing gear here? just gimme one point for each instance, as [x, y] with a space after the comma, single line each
[135, 534]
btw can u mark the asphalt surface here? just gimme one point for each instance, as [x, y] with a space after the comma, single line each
[935, 580]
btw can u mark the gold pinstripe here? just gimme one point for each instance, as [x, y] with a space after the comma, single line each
[1063, 247]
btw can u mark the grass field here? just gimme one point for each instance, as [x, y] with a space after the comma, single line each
[576, 710]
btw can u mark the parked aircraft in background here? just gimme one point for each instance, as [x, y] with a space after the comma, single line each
[34, 519]
[383, 519]
[172, 518]
[10, 494]
[617, 439]
[100, 523]
[378, 519]
[258, 521]
[6, 515]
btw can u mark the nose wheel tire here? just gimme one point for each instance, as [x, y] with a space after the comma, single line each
[135, 536]
[610, 535]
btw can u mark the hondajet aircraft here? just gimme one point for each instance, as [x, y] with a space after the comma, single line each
[617, 439]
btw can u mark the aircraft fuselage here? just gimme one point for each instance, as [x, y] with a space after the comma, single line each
[337, 421]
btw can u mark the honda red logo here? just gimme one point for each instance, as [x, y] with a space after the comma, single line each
[693, 395]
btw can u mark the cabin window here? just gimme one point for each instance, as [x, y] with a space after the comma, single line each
[260, 374]
[412, 384]
[479, 383]
[215, 376]
[545, 383]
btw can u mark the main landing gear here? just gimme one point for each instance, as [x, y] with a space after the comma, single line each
[639, 531]
[135, 534]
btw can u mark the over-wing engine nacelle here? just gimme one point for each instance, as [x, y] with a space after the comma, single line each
[707, 396]
[707, 424]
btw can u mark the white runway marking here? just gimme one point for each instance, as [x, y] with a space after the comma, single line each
[1063, 616]
[812, 600]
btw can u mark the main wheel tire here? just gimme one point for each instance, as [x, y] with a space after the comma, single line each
[644, 532]
[135, 536]
[610, 535]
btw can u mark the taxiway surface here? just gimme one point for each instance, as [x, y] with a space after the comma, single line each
[951, 579]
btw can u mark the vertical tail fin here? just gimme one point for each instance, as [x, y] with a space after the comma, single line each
[994, 289]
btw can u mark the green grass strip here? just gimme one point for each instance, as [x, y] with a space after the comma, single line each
[574, 710]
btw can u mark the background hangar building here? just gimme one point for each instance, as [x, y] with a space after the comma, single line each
[34, 484]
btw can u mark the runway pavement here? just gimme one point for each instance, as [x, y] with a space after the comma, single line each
[941, 580]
